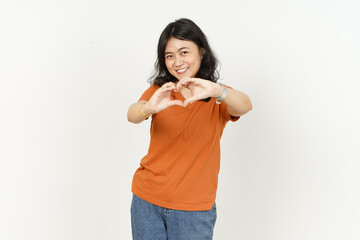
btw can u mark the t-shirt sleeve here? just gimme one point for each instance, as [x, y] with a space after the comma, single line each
[225, 111]
[226, 114]
[148, 93]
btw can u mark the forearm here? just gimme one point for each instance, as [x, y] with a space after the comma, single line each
[137, 115]
[238, 102]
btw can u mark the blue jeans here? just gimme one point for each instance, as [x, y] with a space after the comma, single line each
[151, 222]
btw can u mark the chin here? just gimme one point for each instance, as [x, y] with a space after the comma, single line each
[185, 76]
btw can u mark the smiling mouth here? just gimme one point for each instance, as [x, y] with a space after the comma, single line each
[181, 71]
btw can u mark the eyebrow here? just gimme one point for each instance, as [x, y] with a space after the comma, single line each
[177, 50]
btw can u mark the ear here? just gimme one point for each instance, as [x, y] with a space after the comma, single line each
[202, 52]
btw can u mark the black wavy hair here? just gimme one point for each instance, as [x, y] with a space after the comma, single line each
[184, 29]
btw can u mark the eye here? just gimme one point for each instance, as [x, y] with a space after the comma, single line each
[184, 52]
[168, 56]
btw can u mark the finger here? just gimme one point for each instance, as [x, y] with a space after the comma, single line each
[185, 82]
[190, 100]
[176, 102]
[169, 84]
[166, 85]
[166, 88]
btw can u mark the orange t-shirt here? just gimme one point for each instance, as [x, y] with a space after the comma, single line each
[180, 170]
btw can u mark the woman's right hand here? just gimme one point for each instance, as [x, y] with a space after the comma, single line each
[161, 100]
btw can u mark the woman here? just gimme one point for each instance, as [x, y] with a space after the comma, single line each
[174, 188]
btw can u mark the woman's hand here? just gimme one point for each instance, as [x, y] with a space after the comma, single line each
[161, 100]
[200, 89]
[238, 103]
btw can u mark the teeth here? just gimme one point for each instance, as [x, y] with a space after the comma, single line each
[182, 70]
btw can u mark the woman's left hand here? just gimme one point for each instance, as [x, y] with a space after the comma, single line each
[200, 89]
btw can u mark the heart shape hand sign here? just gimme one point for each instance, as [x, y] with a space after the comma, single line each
[192, 89]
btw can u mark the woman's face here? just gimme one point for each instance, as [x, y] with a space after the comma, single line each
[182, 58]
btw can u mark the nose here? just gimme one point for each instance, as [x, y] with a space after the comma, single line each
[178, 61]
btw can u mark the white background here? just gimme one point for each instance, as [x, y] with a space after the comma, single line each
[70, 69]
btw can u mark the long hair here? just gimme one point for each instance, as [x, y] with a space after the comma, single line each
[184, 29]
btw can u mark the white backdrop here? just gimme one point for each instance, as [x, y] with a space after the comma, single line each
[70, 69]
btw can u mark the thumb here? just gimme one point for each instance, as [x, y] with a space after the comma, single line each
[177, 102]
[189, 100]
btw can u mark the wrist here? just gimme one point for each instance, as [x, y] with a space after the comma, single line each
[218, 90]
[144, 110]
[223, 93]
